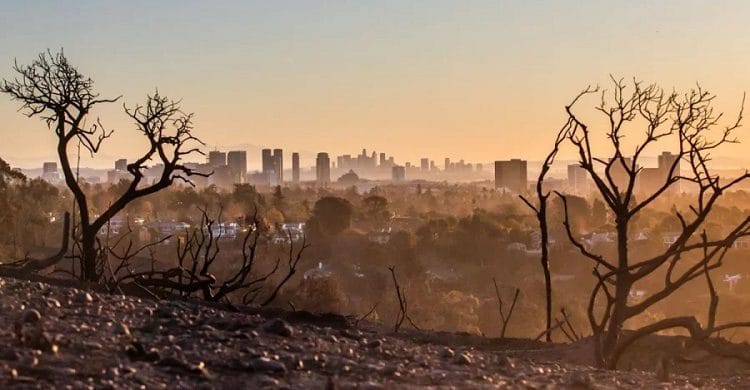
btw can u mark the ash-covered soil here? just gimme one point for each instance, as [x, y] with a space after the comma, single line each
[59, 337]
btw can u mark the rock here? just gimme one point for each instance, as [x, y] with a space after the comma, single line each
[264, 364]
[508, 363]
[279, 327]
[52, 302]
[164, 312]
[83, 297]
[581, 380]
[464, 358]
[112, 373]
[32, 316]
[447, 353]
[374, 343]
[122, 329]
[135, 351]
[92, 345]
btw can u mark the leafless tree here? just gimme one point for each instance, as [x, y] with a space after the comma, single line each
[505, 318]
[689, 123]
[199, 260]
[403, 305]
[540, 211]
[55, 91]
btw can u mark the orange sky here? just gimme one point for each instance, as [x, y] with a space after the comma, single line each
[479, 80]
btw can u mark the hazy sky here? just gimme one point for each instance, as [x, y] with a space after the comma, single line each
[480, 80]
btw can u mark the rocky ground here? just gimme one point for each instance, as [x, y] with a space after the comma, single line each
[61, 337]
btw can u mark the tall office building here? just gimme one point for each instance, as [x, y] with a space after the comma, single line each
[511, 175]
[266, 163]
[382, 159]
[323, 169]
[217, 159]
[424, 164]
[295, 168]
[49, 167]
[666, 159]
[237, 161]
[49, 172]
[121, 165]
[620, 175]
[651, 180]
[447, 164]
[398, 173]
[278, 165]
[578, 179]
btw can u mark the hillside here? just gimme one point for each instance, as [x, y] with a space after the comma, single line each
[54, 336]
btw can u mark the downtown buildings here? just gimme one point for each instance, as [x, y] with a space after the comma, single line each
[511, 175]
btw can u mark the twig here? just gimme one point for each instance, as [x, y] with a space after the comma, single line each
[364, 317]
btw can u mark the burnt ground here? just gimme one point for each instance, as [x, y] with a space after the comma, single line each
[62, 337]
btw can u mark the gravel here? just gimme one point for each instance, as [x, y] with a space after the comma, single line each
[57, 337]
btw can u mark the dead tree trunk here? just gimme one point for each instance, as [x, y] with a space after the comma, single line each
[540, 212]
[54, 90]
[688, 121]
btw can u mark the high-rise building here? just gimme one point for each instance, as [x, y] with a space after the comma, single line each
[49, 172]
[237, 161]
[511, 175]
[217, 158]
[578, 179]
[121, 165]
[323, 169]
[295, 168]
[116, 176]
[382, 159]
[223, 177]
[447, 164]
[620, 174]
[424, 164]
[266, 163]
[651, 180]
[666, 160]
[278, 165]
[49, 167]
[398, 173]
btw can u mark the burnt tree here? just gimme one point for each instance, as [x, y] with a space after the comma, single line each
[55, 91]
[540, 212]
[688, 123]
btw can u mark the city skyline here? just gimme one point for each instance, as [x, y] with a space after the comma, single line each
[284, 73]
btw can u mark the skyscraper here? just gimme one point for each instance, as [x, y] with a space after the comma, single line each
[447, 164]
[424, 164]
[217, 158]
[278, 165]
[322, 169]
[398, 173]
[49, 167]
[666, 159]
[511, 175]
[49, 172]
[237, 161]
[266, 163]
[121, 165]
[295, 168]
[651, 180]
[578, 179]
